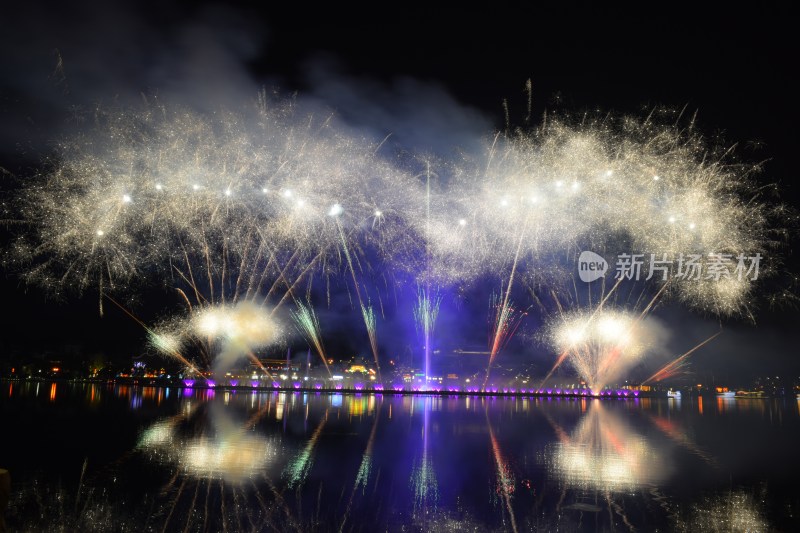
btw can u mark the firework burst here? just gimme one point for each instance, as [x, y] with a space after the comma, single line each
[253, 207]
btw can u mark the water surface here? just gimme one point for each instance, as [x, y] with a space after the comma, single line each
[88, 457]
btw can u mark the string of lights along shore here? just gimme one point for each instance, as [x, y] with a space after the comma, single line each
[242, 212]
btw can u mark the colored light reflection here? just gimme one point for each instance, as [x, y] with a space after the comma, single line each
[227, 451]
[604, 453]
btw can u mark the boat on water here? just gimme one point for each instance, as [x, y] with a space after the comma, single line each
[674, 394]
[747, 394]
[726, 394]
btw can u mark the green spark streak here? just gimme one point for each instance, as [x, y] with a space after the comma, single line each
[306, 321]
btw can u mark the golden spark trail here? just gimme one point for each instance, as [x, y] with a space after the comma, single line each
[151, 332]
[364, 313]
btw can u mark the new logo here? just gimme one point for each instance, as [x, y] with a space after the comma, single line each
[591, 266]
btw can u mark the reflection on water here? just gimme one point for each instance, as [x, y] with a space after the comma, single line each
[423, 474]
[734, 511]
[298, 467]
[205, 460]
[226, 449]
[604, 453]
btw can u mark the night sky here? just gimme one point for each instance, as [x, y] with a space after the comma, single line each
[433, 78]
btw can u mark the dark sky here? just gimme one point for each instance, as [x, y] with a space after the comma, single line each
[433, 77]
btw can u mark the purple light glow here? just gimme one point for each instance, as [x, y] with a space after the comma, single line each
[234, 382]
[188, 383]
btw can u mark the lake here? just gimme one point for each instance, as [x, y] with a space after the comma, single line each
[112, 457]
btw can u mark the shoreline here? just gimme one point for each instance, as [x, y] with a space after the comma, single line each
[377, 389]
